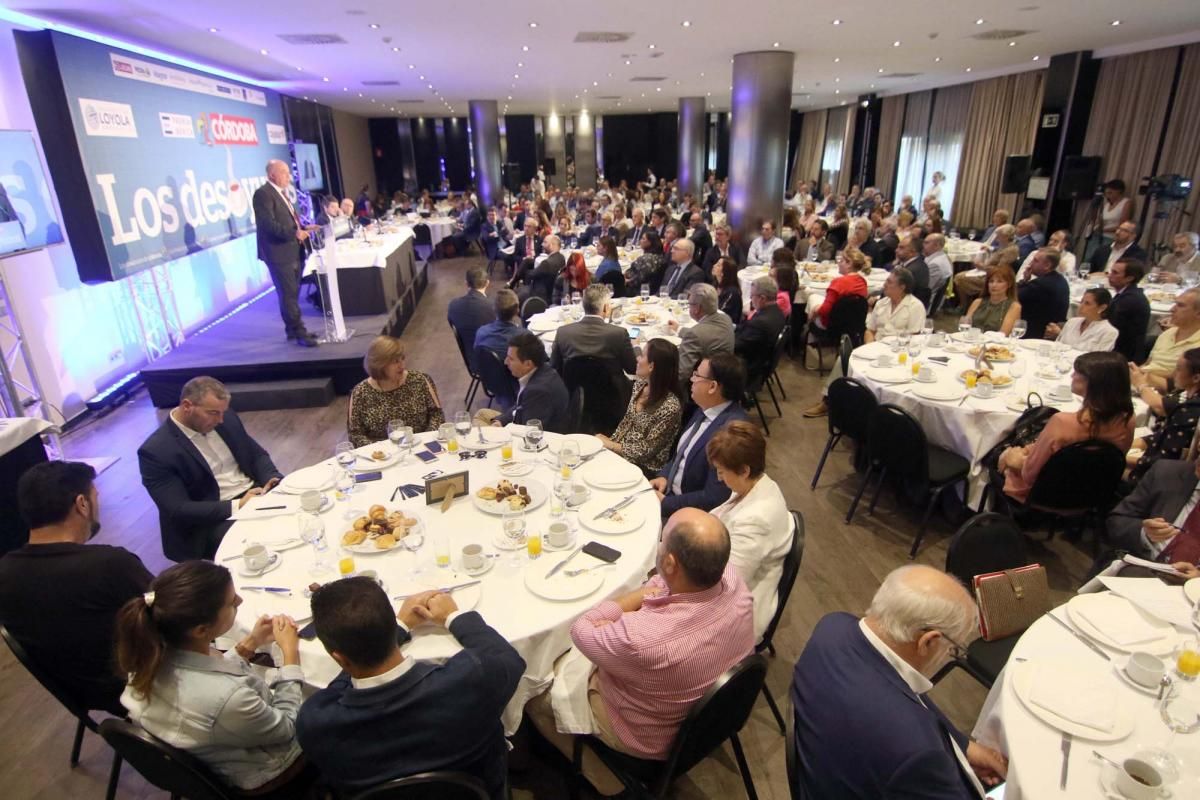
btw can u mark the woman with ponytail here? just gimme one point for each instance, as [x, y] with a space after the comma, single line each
[209, 704]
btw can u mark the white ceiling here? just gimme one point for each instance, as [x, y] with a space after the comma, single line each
[470, 49]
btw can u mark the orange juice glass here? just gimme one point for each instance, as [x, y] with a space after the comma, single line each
[506, 451]
[533, 544]
[452, 446]
[902, 357]
[970, 380]
[916, 367]
[346, 566]
[566, 472]
[1188, 662]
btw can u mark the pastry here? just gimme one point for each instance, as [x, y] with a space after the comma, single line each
[361, 524]
[487, 493]
[377, 512]
[385, 542]
[354, 537]
[379, 455]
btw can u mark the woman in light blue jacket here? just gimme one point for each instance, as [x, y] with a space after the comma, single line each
[212, 705]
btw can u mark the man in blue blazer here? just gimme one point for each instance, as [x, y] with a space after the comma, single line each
[198, 466]
[864, 725]
[386, 716]
[541, 393]
[469, 313]
[688, 480]
[1129, 311]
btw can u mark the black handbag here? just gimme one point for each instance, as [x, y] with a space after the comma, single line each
[1024, 431]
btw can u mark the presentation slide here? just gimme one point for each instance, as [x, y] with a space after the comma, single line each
[308, 162]
[27, 216]
[172, 156]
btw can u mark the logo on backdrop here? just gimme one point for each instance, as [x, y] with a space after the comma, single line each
[220, 128]
[102, 118]
[276, 134]
[176, 126]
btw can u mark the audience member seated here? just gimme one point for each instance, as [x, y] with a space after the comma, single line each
[573, 278]
[472, 310]
[729, 289]
[722, 247]
[1000, 217]
[648, 268]
[565, 232]
[1090, 331]
[1159, 519]
[907, 256]
[761, 248]
[1026, 244]
[1044, 296]
[214, 706]
[852, 265]
[637, 228]
[198, 466]
[647, 431]
[495, 234]
[1176, 413]
[391, 392]
[938, 263]
[450, 710]
[783, 272]
[817, 246]
[330, 210]
[756, 336]
[999, 311]
[713, 333]
[541, 393]
[1102, 380]
[1060, 241]
[59, 596]
[681, 274]
[1129, 311]
[756, 514]
[527, 247]
[699, 236]
[610, 260]
[495, 335]
[673, 233]
[1182, 335]
[865, 725]
[468, 229]
[1124, 247]
[657, 649]
[967, 287]
[688, 479]
[808, 215]
[592, 335]
[1183, 262]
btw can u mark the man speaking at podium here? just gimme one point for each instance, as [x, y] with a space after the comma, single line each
[280, 240]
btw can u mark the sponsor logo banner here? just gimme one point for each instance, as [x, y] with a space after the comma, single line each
[228, 129]
[104, 118]
[124, 66]
[176, 126]
[276, 134]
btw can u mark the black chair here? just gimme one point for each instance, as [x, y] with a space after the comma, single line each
[575, 401]
[464, 350]
[605, 388]
[162, 765]
[781, 344]
[534, 304]
[422, 238]
[715, 717]
[787, 580]
[847, 318]
[851, 405]
[756, 379]
[845, 348]
[615, 280]
[896, 445]
[442, 785]
[498, 383]
[64, 696]
[985, 543]
[1079, 482]
[938, 299]
[792, 760]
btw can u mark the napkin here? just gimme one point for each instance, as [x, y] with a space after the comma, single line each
[267, 505]
[318, 476]
[610, 472]
[1116, 618]
[1085, 699]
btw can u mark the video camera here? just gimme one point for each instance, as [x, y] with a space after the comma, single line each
[1166, 187]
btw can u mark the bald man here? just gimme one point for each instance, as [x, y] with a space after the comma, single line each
[864, 725]
[658, 649]
[280, 236]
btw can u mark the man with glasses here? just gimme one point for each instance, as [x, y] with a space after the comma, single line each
[1124, 247]
[713, 332]
[762, 248]
[865, 726]
[682, 274]
[688, 479]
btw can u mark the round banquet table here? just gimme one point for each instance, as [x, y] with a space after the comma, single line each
[539, 629]
[592, 259]
[1161, 297]
[439, 227]
[962, 423]
[547, 323]
[1034, 747]
[960, 250]
[813, 284]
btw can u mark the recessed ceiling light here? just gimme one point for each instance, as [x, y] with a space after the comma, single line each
[374, 26]
[643, 94]
[576, 97]
[594, 83]
[533, 24]
[979, 21]
[837, 61]
[262, 52]
[686, 23]
[360, 94]
[709, 95]
[896, 43]
[214, 30]
[872, 86]
[837, 80]
[774, 44]
[1116, 22]
[968, 69]
[658, 88]
[651, 46]
[837, 91]
[510, 97]
[325, 80]
[836, 22]
[1035, 58]
[431, 86]
[937, 58]
[880, 70]
[516, 76]
[1012, 44]
[520, 63]
[420, 77]
[395, 49]
[412, 66]
[299, 69]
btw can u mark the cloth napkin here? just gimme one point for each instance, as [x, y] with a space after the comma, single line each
[602, 472]
[317, 476]
[1117, 619]
[569, 693]
[1085, 699]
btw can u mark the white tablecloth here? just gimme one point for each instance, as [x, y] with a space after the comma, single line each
[1034, 747]
[539, 629]
[15, 431]
[1160, 295]
[547, 323]
[373, 252]
[963, 249]
[591, 258]
[439, 227]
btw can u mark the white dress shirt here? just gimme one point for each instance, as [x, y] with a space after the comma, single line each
[1100, 336]
[940, 270]
[906, 318]
[1115, 255]
[1157, 547]
[231, 481]
[686, 447]
[761, 251]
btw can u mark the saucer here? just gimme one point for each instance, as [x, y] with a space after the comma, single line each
[273, 564]
[549, 548]
[1119, 668]
[515, 469]
[488, 563]
[930, 379]
[502, 542]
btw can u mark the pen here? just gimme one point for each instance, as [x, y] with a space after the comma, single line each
[269, 508]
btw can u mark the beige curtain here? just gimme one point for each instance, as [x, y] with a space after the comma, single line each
[836, 152]
[1181, 150]
[910, 164]
[1002, 122]
[947, 127]
[807, 166]
[891, 123]
[844, 176]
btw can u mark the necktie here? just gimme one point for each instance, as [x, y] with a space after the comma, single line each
[529, 247]
[674, 280]
[681, 451]
[1186, 545]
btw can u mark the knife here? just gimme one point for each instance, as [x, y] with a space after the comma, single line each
[624, 502]
[442, 589]
[1066, 761]
[272, 589]
[554, 570]
[1095, 647]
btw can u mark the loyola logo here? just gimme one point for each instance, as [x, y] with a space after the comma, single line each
[102, 118]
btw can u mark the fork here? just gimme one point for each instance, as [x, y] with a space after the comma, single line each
[571, 573]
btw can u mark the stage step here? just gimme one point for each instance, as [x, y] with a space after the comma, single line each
[271, 395]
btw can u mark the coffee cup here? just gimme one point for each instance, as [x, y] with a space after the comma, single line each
[310, 501]
[256, 557]
[558, 534]
[1061, 393]
[925, 374]
[472, 556]
[1139, 780]
[883, 360]
[974, 335]
[1144, 669]
[368, 573]
[983, 390]
[579, 496]
[937, 339]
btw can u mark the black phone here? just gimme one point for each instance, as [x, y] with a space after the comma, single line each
[367, 477]
[427, 457]
[602, 552]
[434, 446]
[308, 632]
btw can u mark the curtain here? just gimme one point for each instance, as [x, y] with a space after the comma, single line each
[807, 166]
[834, 151]
[1181, 150]
[891, 124]
[844, 176]
[1002, 122]
[910, 169]
[947, 127]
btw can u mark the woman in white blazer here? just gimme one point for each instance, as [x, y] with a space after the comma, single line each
[756, 515]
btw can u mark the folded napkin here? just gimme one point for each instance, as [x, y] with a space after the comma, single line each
[318, 476]
[603, 472]
[267, 505]
[1116, 618]
[872, 350]
[1083, 698]
[569, 694]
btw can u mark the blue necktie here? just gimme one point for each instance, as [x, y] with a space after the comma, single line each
[684, 444]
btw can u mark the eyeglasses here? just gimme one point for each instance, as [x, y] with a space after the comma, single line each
[696, 376]
[957, 651]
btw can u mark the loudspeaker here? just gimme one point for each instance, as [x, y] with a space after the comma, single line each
[1079, 177]
[1016, 175]
[512, 176]
[548, 167]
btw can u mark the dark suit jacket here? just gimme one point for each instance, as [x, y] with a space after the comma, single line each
[472, 223]
[701, 489]
[468, 314]
[433, 717]
[1129, 313]
[635, 235]
[592, 336]
[191, 515]
[703, 241]
[755, 338]
[826, 248]
[1134, 253]
[1044, 300]
[691, 275]
[541, 278]
[920, 270]
[275, 227]
[861, 732]
[714, 255]
[519, 247]
[545, 398]
[1162, 492]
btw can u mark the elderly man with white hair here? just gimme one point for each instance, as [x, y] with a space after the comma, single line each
[681, 273]
[1184, 258]
[864, 725]
[713, 332]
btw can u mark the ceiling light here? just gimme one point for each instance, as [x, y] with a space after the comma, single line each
[345, 88]
[533, 24]
[395, 49]
[420, 77]
[880, 70]
[1035, 58]
[431, 86]
[686, 23]
[1116, 22]
[299, 69]
[1012, 44]
[774, 44]
[658, 88]
[872, 86]
[524, 48]
[628, 62]
[837, 61]
[325, 80]
[837, 91]
[594, 83]
[701, 74]
[262, 52]
[520, 63]
[510, 97]
[360, 94]
[576, 97]
[937, 58]
[516, 76]
[837, 22]
[896, 43]
[374, 26]
[979, 21]
[968, 69]
[651, 47]
[837, 80]
[709, 94]
[214, 30]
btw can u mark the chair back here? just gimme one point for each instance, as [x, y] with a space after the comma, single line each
[792, 759]
[575, 403]
[896, 441]
[781, 344]
[985, 543]
[605, 388]
[442, 785]
[1080, 477]
[421, 235]
[787, 578]
[845, 348]
[162, 765]
[61, 693]
[497, 381]
[534, 304]
[851, 405]
[464, 350]
[938, 298]
[615, 280]
[848, 318]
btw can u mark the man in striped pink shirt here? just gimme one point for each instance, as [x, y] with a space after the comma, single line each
[659, 648]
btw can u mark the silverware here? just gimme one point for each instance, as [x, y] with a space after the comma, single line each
[271, 589]
[964, 397]
[442, 589]
[571, 573]
[1066, 761]
[1091, 645]
[1106, 759]
[1164, 686]
[563, 563]
[629, 498]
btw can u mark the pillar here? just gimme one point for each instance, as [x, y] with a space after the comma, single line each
[691, 145]
[585, 150]
[485, 141]
[555, 139]
[760, 108]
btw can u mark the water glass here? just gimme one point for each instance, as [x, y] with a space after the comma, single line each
[645, 291]
[343, 485]
[1019, 329]
[344, 454]
[568, 454]
[412, 543]
[445, 432]
[312, 531]
[533, 434]
[664, 294]
[462, 425]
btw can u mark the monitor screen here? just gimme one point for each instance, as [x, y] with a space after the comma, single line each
[308, 162]
[28, 219]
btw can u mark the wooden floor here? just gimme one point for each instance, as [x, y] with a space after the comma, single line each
[842, 567]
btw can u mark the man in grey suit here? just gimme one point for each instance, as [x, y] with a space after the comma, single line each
[592, 336]
[712, 333]
[1153, 521]
[280, 237]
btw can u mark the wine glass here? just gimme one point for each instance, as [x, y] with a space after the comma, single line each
[1019, 329]
[462, 425]
[395, 433]
[963, 327]
[1181, 714]
[344, 485]
[645, 292]
[512, 522]
[312, 530]
[533, 434]
[412, 543]
[345, 455]
[568, 454]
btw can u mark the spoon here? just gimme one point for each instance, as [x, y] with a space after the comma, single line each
[571, 573]
[1106, 759]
